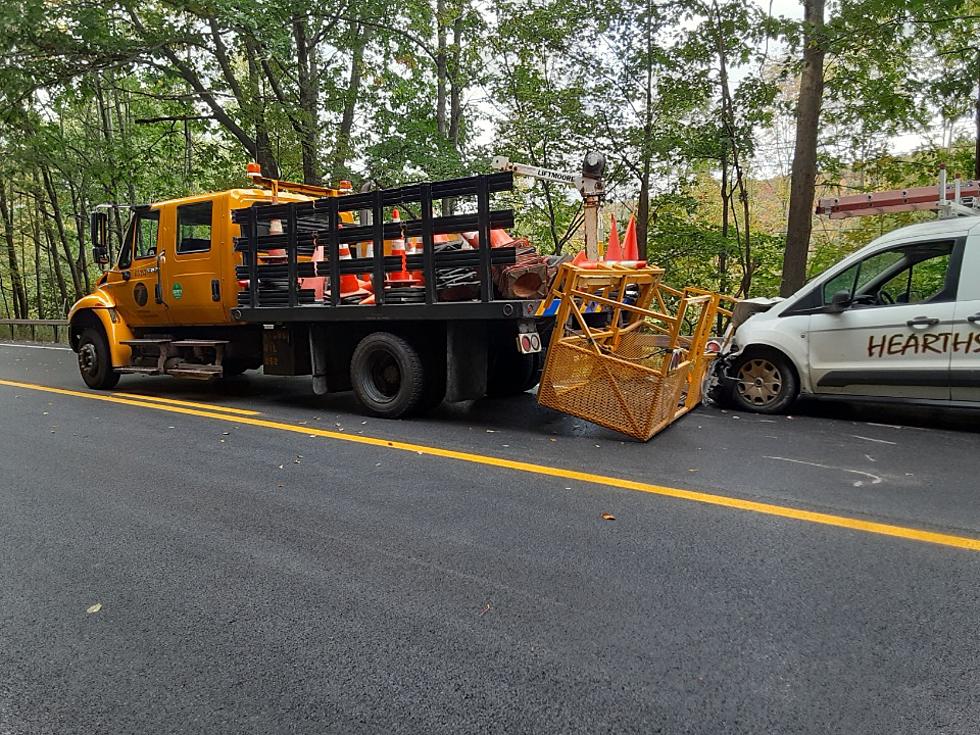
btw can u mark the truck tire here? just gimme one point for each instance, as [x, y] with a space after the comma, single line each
[763, 381]
[94, 360]
[387, 375]
[512, 373]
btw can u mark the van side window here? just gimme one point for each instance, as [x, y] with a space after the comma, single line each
[147, 228]
[911, 274]
[920, 283]
[194, 228]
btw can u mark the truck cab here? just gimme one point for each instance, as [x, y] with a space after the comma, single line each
[898, 320]
[175, 272]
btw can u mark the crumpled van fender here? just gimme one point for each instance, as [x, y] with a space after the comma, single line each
[95, 310]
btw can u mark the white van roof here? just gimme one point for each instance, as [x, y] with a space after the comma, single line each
[951, 227]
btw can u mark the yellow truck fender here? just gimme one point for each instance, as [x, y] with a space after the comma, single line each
[97, 310]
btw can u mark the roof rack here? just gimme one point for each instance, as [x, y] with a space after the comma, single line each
[961, 198]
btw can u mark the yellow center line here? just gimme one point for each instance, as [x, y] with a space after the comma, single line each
[192, 404]
[826, 519]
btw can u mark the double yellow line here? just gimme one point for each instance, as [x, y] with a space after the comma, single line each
[187, 404]
[248, 418]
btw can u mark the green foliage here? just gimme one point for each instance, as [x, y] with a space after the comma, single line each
[132, 102]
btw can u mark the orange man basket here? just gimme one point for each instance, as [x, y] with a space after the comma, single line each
[628, 353]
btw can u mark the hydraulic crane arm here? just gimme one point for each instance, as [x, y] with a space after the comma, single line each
[588, 183]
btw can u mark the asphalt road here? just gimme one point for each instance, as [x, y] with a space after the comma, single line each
[256, 579]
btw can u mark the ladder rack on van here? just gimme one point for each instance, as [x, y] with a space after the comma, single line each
[961, 198]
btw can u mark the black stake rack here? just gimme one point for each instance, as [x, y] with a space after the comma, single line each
[318, 222]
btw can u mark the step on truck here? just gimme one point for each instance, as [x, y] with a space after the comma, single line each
[303, 280]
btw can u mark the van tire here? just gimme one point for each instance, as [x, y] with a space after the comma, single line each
[95, 361]
[387, 375]
[763, 381]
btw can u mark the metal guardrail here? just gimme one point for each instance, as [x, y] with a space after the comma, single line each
[18, 326]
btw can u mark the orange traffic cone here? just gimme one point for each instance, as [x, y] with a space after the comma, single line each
[350, 285]
[613, 250]
[402, 277]
[630, 249]
[500, 238]
[415, 248]
[580, 258]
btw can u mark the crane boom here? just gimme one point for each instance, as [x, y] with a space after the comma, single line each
[502, 163]
[588, 183]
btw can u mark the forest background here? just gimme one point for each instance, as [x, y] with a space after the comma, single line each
[721, 119]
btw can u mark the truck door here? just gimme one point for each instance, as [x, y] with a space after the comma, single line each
[134, 281]
[965, 355]
[192, 271]
[893, 339]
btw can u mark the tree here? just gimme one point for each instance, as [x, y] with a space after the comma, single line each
[804, 172]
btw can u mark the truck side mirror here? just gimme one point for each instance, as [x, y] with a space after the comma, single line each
[839, 302]
[100, 238]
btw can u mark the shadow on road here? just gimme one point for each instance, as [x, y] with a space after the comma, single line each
[522, 412]
[926, 417]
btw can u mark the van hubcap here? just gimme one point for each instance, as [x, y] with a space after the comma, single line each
[759, 382]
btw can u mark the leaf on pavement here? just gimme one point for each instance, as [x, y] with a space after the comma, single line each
[608, 517]
[94, 608]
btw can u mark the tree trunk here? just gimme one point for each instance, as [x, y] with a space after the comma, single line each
[643, 205]
[78, 214]
[725, 203]
[455, 100]
[36, 230]
[17, 282]
[262, 149]
[442, 67]
[59, 222]
[342, 150]
[309, 143]
[804, 172]
[54, 260]
[105, 126]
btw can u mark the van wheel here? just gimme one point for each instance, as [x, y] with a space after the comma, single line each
[763, 382]
[94, 360]
[387, 375]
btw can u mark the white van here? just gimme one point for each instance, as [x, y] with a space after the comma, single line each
[897, 320]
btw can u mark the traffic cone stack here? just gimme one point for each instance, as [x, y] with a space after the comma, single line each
[415, 248]
[400, 278]
[350, 285]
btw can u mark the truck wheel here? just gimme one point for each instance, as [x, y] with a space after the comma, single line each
[512, 373]
[94, 360]
[387, 375]
[763, 382]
